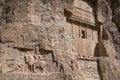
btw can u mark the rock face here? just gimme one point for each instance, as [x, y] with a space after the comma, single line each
[59, 40]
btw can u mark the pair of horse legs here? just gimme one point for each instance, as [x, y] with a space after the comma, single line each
[32, 68]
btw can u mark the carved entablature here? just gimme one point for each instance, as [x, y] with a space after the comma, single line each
[81, 11]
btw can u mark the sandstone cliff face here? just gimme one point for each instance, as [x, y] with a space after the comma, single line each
[44, 40]
[110, 66]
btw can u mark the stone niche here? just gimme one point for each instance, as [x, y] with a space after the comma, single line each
[80, 24]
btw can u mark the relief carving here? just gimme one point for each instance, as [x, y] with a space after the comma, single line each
[30, 60]
[35, 61]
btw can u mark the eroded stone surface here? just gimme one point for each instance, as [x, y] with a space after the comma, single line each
[58, 40]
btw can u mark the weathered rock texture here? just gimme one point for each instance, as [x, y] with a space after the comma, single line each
[59, 40]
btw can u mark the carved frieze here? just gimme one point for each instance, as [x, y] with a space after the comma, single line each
[83, 14]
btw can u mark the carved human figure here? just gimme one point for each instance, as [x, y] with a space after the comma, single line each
[61, 68]
[37, 52]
